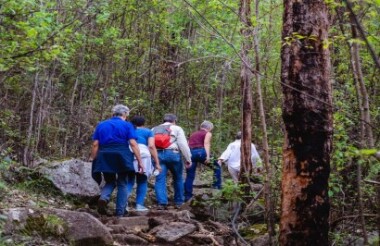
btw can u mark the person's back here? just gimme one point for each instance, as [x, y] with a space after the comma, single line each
[197, 139]
[232, 156]
[170, 159]
[200, 145]
[148, 151]
[114, 159]
[113, 131]
[143, 134]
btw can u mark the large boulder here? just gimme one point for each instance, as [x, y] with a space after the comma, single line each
[72, 177]
[75, 227]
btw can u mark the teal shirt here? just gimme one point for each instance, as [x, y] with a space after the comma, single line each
[143, 134]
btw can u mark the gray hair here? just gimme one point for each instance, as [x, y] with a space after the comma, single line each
[120, 109]
[170, 118]
[238, 135]
[207, 125]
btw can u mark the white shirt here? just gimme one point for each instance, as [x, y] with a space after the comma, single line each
[178, 140]
[232, 155]
[146, 160]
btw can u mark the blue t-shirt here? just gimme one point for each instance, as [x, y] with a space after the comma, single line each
[143, 134]
[114, 131]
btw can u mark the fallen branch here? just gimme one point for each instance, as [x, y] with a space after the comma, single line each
[372, 182]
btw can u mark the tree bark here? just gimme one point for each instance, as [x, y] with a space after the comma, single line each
[307, 115]
[246, 92]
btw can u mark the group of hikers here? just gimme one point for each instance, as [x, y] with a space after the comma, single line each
[125, 152]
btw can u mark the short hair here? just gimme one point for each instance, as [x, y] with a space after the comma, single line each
[138, 120]
[170, 118]
[238, 135]
[120, 109]
[207, 125]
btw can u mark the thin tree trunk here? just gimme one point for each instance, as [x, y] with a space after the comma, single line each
[307, 115]
[360, 201]
[246, 92]
[220, 93]
[269, 206]
[363, 94]
[27, 155]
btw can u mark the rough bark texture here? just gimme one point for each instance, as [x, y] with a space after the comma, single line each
[246, 91]
[307, 114]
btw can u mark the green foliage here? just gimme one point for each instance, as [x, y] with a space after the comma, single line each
[231, 192]
[45, 225]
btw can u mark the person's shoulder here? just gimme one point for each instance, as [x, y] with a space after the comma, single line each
[146, 130]
[176, 127]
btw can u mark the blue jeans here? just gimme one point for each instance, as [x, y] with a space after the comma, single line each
[217, 178]
[141, 189]
[169, 160]
[199, 156]
[112, 180]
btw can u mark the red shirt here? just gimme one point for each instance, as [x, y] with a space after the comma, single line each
[197, 139]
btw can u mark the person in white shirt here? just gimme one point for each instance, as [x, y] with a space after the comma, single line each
[232, 157]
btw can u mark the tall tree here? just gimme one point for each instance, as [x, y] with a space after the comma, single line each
[307, 114]
[246, 90]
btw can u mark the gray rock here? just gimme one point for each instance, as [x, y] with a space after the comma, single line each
[130, 239]
[77, 228]
[72, 177]
[173, 231]
[261, 240]
[137, 222]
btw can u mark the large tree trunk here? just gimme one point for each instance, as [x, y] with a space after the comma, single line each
[307, 114]
[246, 91]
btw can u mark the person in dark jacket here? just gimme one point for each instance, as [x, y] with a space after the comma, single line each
[113, 157]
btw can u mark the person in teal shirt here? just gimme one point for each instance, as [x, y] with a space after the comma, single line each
[145, 140]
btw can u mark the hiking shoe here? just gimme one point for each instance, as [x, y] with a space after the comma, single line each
[102, 207]
[161, 207]
[141, 208]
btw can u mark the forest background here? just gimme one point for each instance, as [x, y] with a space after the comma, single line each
[64, 63]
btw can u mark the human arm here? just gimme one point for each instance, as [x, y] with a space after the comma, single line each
[207, 145]
[183, 145]
[136, 152]
[94, 150]
[225, 155]
[153, 152]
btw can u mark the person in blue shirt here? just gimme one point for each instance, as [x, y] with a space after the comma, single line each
[145, 140]
[113, 157]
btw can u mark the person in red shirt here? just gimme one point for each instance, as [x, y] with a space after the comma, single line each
[200, 144]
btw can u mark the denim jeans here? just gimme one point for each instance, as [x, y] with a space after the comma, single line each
[112, 180]
[169, 160]
[199, 156]
[141, 188]
[217, 178]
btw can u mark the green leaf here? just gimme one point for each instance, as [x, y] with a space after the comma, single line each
[32, 33]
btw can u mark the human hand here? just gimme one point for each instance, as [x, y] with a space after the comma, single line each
[207, 161]
[188, 164]
[220, 162]
[141, 169]
[158, 167]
